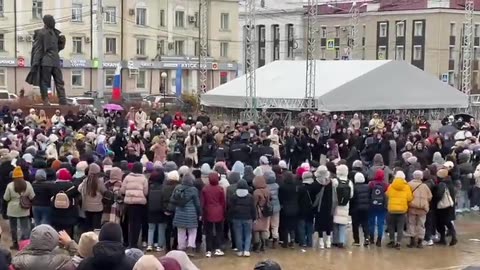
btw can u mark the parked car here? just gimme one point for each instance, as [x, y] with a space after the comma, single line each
[5, 95]
[80, 101]
[161, 100]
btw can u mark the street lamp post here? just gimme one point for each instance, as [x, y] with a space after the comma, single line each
[164, 78]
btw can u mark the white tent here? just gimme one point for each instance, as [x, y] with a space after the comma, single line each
[341, 86]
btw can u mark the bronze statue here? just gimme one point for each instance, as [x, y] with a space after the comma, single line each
[47, 43]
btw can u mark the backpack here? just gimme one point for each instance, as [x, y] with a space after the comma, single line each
[179, 197]
[267, 209]
[377, 196]
[61, 200]
[343, 192]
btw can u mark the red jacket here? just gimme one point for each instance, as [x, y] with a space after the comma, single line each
[213, 200]
[178, 120]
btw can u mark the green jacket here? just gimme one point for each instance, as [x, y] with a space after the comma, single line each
[13, 200]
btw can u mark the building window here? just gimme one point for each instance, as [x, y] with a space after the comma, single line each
[3, 78]
[141, 44]
[399, 53]
[322, 53]
[77, 77]
[223, 77]
[160, 47]
[111, 45]
[290, 40]
[2, 42]
[141, 16]
[223, 49]
[476, 30]
[162, 17]
[77, 12]
[417, 52]
[452, 29]
[400, 27]
[109, 77]
[197, 20]
[363, 53]
[1, 8]
[179, 18]
[197, 48]
[451, 52]
[262, 53]
[451, 78]
[418, 29]
[476, 53]
[37, 9]
[110, 15]
[382, 53]
[383, 31]
[141, 79]
[179, 47]
[323, 32]
[337, 31]
[276, 53]
[77, 45]
[224, 21]
[337, 53]
[261, 33]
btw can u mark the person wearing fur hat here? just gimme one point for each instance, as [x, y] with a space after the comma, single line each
[85, 247]
[444, 204]
[19, 195]
[192, 143]
[92, 190]
[65, 219]
[186, 202]
[359, 208]
[418, 209]
[344, 189]
[322, 198]
[399, 195]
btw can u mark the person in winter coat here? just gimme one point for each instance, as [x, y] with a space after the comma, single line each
[113, 212]
[192, 142]
[213, 209]
[322, 196]
[340, 216]
[466, 171]
[188, 211]
[378, 164]
[135, 189]
[160, 149]
[92, 190]
[275, 218]
[399, 195]
[148, 262]
[18, 214]
[418, 209]
[444, 203]
[85, 247]
[43, 251]
[378, 203]
[305, 211]
[65, 218]
[248, 175]
[41, 209]
[157, 219]
[288, 197]
[242, 212]
[182, 258]
[51, 150]
[220, 168]
[262, 199]
[171, 181]
[359, 208]
[109, 252]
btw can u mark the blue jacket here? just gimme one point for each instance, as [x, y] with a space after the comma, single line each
[187, 216]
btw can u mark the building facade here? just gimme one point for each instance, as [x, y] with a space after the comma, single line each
[278, 30]
[427, 34]
[145, 37]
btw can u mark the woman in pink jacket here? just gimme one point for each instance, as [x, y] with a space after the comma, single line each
[135, 189]
[160, 149]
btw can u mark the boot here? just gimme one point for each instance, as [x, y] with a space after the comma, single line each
[454, 241]
[442, 241]
[321, 243]
[274, 243]
[379, 242]
[262, 245]
[255, 247]
[420, 243]
[328, 242]
[412, 243]
[46, 102]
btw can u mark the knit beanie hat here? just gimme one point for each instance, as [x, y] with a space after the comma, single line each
[82, 166]
[149, 167]
[357, 164]
[110, 232]
[283, 164]
[64, 175]
[418, 175]
[157, 165]
[442, 173]
[56, 165]
[183, 170]
[40, 175]
[400, 174]
[173, 176]
[448, 165]
[170, 166]
[17, 173]
[205, 169]
[86, 243]
[242, 184]
[263, 160]
[134, 254]
[93, 169]
[148, 262]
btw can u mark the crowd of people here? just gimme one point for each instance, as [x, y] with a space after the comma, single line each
[115, 180]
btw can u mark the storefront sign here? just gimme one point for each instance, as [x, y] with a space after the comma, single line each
[79, 63]
[8, 62]
[111, 64]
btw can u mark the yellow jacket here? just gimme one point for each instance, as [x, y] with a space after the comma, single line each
[399, 195]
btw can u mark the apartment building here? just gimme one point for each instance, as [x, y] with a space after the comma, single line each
[279, 30]
[144, 37]
[426, 33]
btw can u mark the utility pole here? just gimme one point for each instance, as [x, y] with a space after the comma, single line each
[100, 80]
[467, 50]
[250, 112]
[203, 42]
[353, 41]
[311, 67]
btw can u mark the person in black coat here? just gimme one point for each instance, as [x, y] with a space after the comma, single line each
[359, 206]
[65, 219]
[6, 168]
[157, 220]
[322, 195]
[109, 252]
[288, 196]
[444, 217]
[305, 211]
